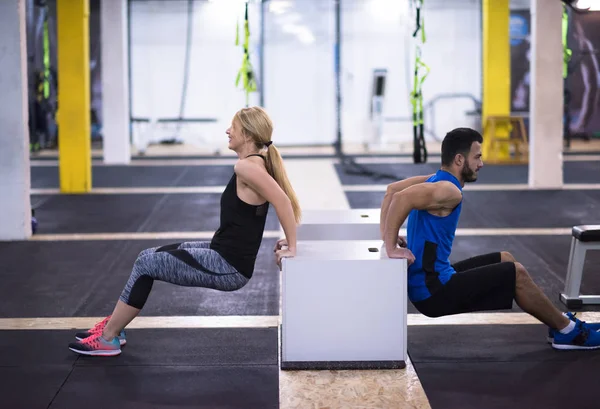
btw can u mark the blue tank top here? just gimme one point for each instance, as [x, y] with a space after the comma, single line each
[430, 239]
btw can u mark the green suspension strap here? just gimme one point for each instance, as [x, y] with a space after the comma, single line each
[566, 50]
[567, 53]
[43, 80]
[416, 96]
[246, 72]
[43, 91]
[46, 60]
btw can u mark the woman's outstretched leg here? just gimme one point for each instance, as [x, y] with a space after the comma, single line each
[99, 327]
[190, 266]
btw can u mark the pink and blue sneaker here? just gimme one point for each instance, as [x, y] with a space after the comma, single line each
[97, 329]
[96, 345]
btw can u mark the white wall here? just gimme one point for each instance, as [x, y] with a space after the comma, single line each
[299, 71]
[299, 79]
[378, 34]
[158, 45]
[115, 82]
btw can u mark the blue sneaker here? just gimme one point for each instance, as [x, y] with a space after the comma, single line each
[572, 317]
[582, 337]
[96, 346]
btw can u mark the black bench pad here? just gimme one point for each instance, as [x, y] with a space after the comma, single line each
[589, 233]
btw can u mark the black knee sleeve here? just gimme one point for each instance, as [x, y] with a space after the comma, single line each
[140, 292]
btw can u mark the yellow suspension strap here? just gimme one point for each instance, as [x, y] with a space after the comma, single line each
[416, 96]
[246, 73]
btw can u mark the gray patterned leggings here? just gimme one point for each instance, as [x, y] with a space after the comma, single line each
[190, 264]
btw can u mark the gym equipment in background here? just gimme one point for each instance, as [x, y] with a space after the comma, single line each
[173, 130]
[416, 96]
[246, 72]
[348, 164]
[42, 76]
[377, 100]
[573, 60]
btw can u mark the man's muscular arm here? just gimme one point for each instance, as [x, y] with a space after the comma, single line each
[423, 196]
[390, 191]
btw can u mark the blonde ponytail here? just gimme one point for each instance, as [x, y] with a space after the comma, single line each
[277, 170]
[256, 124]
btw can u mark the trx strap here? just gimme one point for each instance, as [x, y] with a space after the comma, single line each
[42, 83]
[46, 59]
[43, 86]
[416, 96]
[246, 72]
[567, 53]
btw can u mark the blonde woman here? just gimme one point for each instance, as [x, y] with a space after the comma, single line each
[226, 263]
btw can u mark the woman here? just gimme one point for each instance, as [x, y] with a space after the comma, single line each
[225, 263]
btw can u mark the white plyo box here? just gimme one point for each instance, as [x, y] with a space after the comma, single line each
[343, 224]
[343, 307]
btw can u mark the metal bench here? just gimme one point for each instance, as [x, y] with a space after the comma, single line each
[584, 238]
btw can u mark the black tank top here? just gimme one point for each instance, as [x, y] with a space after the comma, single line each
[241, 229]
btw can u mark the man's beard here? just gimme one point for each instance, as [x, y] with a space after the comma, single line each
[467, 174]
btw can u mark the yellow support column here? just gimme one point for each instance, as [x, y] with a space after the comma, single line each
[496, 75]
[73, 114]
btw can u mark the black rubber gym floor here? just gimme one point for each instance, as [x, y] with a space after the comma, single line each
[141, 176]
[500, 366]
[218, 175]
[460, 366]
[200, 212]
[513, 208]
[573, 172]
[158, 368]
[131, 213]
[85, 278]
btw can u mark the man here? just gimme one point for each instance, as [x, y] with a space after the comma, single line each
[487, 282]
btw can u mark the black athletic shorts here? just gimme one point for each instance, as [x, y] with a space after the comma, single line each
[481, 283]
